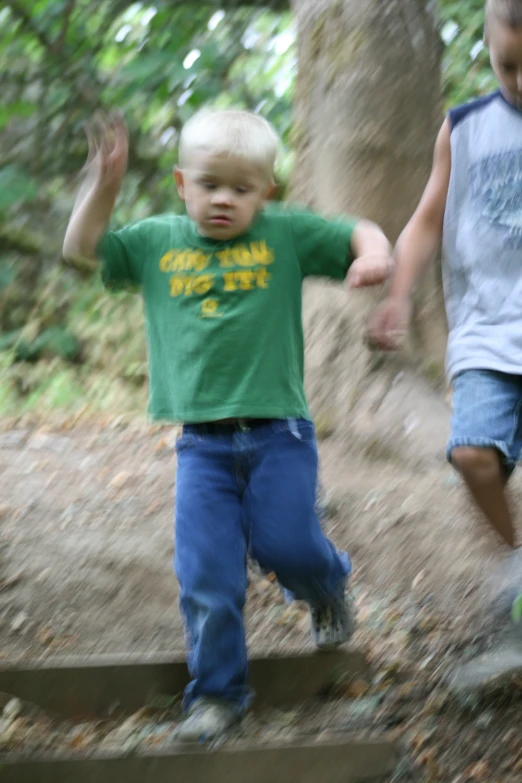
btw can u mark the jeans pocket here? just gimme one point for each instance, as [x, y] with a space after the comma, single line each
[185, 441]
[301, 429]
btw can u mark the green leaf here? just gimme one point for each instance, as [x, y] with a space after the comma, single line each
[56, 341]
[16, 185]
[145, 66]
[9, 339]
[17, 109]
[7, 274]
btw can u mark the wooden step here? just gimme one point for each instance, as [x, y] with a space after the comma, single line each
[347, 761]
[72, 687]
[98, 688]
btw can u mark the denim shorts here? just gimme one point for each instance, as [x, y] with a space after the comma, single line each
[486, 414]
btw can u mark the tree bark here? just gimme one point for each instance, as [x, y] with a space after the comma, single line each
[368, 108]
[368, 104]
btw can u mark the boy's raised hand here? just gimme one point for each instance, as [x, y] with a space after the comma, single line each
[105, 169]
[108, 151]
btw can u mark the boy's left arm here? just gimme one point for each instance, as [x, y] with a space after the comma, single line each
[373, 260]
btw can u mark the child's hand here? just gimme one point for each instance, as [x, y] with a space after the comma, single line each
[108, 151]
[370, 270]
[389, 324]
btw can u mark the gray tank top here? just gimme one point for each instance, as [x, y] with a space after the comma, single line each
[482, 241]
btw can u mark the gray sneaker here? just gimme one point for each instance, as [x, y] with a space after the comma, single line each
[505, 584]
[207, 719]
[333, 624]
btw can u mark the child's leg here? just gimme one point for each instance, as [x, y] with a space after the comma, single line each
[321, 516]
[280, 505]
[210, 561]
[483, 445]
[485, 476]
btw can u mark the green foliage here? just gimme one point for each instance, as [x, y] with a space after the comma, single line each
[156, 63]
[7, 273]
[54, 341]
[466, 71]
[16, 187]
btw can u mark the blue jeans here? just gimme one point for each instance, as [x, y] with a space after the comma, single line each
[486, 407]
[240, 492]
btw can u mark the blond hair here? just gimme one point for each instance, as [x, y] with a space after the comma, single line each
[231, 132]
[508, 12]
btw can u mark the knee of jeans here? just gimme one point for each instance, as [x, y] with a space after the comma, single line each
[475, 461]
[213, 603]
[208, 586]
[296, 565]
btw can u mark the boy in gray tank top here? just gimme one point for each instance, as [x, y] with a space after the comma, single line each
[472, 204]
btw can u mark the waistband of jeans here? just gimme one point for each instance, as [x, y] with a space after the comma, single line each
[227, 425]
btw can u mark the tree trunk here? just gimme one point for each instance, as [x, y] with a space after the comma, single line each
[368, 108]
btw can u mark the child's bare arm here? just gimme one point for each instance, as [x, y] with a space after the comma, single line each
[105, 169]
[415, 249]
[421, 238]
[373, 256]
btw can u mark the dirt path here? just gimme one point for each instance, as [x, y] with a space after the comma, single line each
[86, 551]
[86, 534]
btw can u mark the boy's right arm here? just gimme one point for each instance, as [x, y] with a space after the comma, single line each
[415, 249]
[106, 167]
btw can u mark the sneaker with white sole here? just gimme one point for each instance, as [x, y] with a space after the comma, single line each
[207, 719]
[333, 624]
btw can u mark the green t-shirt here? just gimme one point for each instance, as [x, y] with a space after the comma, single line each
[224, 329]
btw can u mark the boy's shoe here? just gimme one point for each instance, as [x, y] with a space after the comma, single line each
[207, 719]
[505, 586]
[516, 609]
[333, 624]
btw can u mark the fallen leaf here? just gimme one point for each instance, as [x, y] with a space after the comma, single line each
[263, 585]
[478, 771]
[418, 579]
[426, 757]
[15, 731]
[12, 709]
[45, 634]
[120, 480]
[154, 507]
[127, 729]
[289, 616]
[10, 582]
[357, 688]
[19, 621]
[419, 740]
[284, 719]
[404, 692]
[162, 445]
[81, 737]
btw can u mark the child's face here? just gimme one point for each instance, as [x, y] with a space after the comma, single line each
[222, 194]
[505, 50]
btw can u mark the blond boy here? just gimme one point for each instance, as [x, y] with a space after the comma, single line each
[222, 294]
